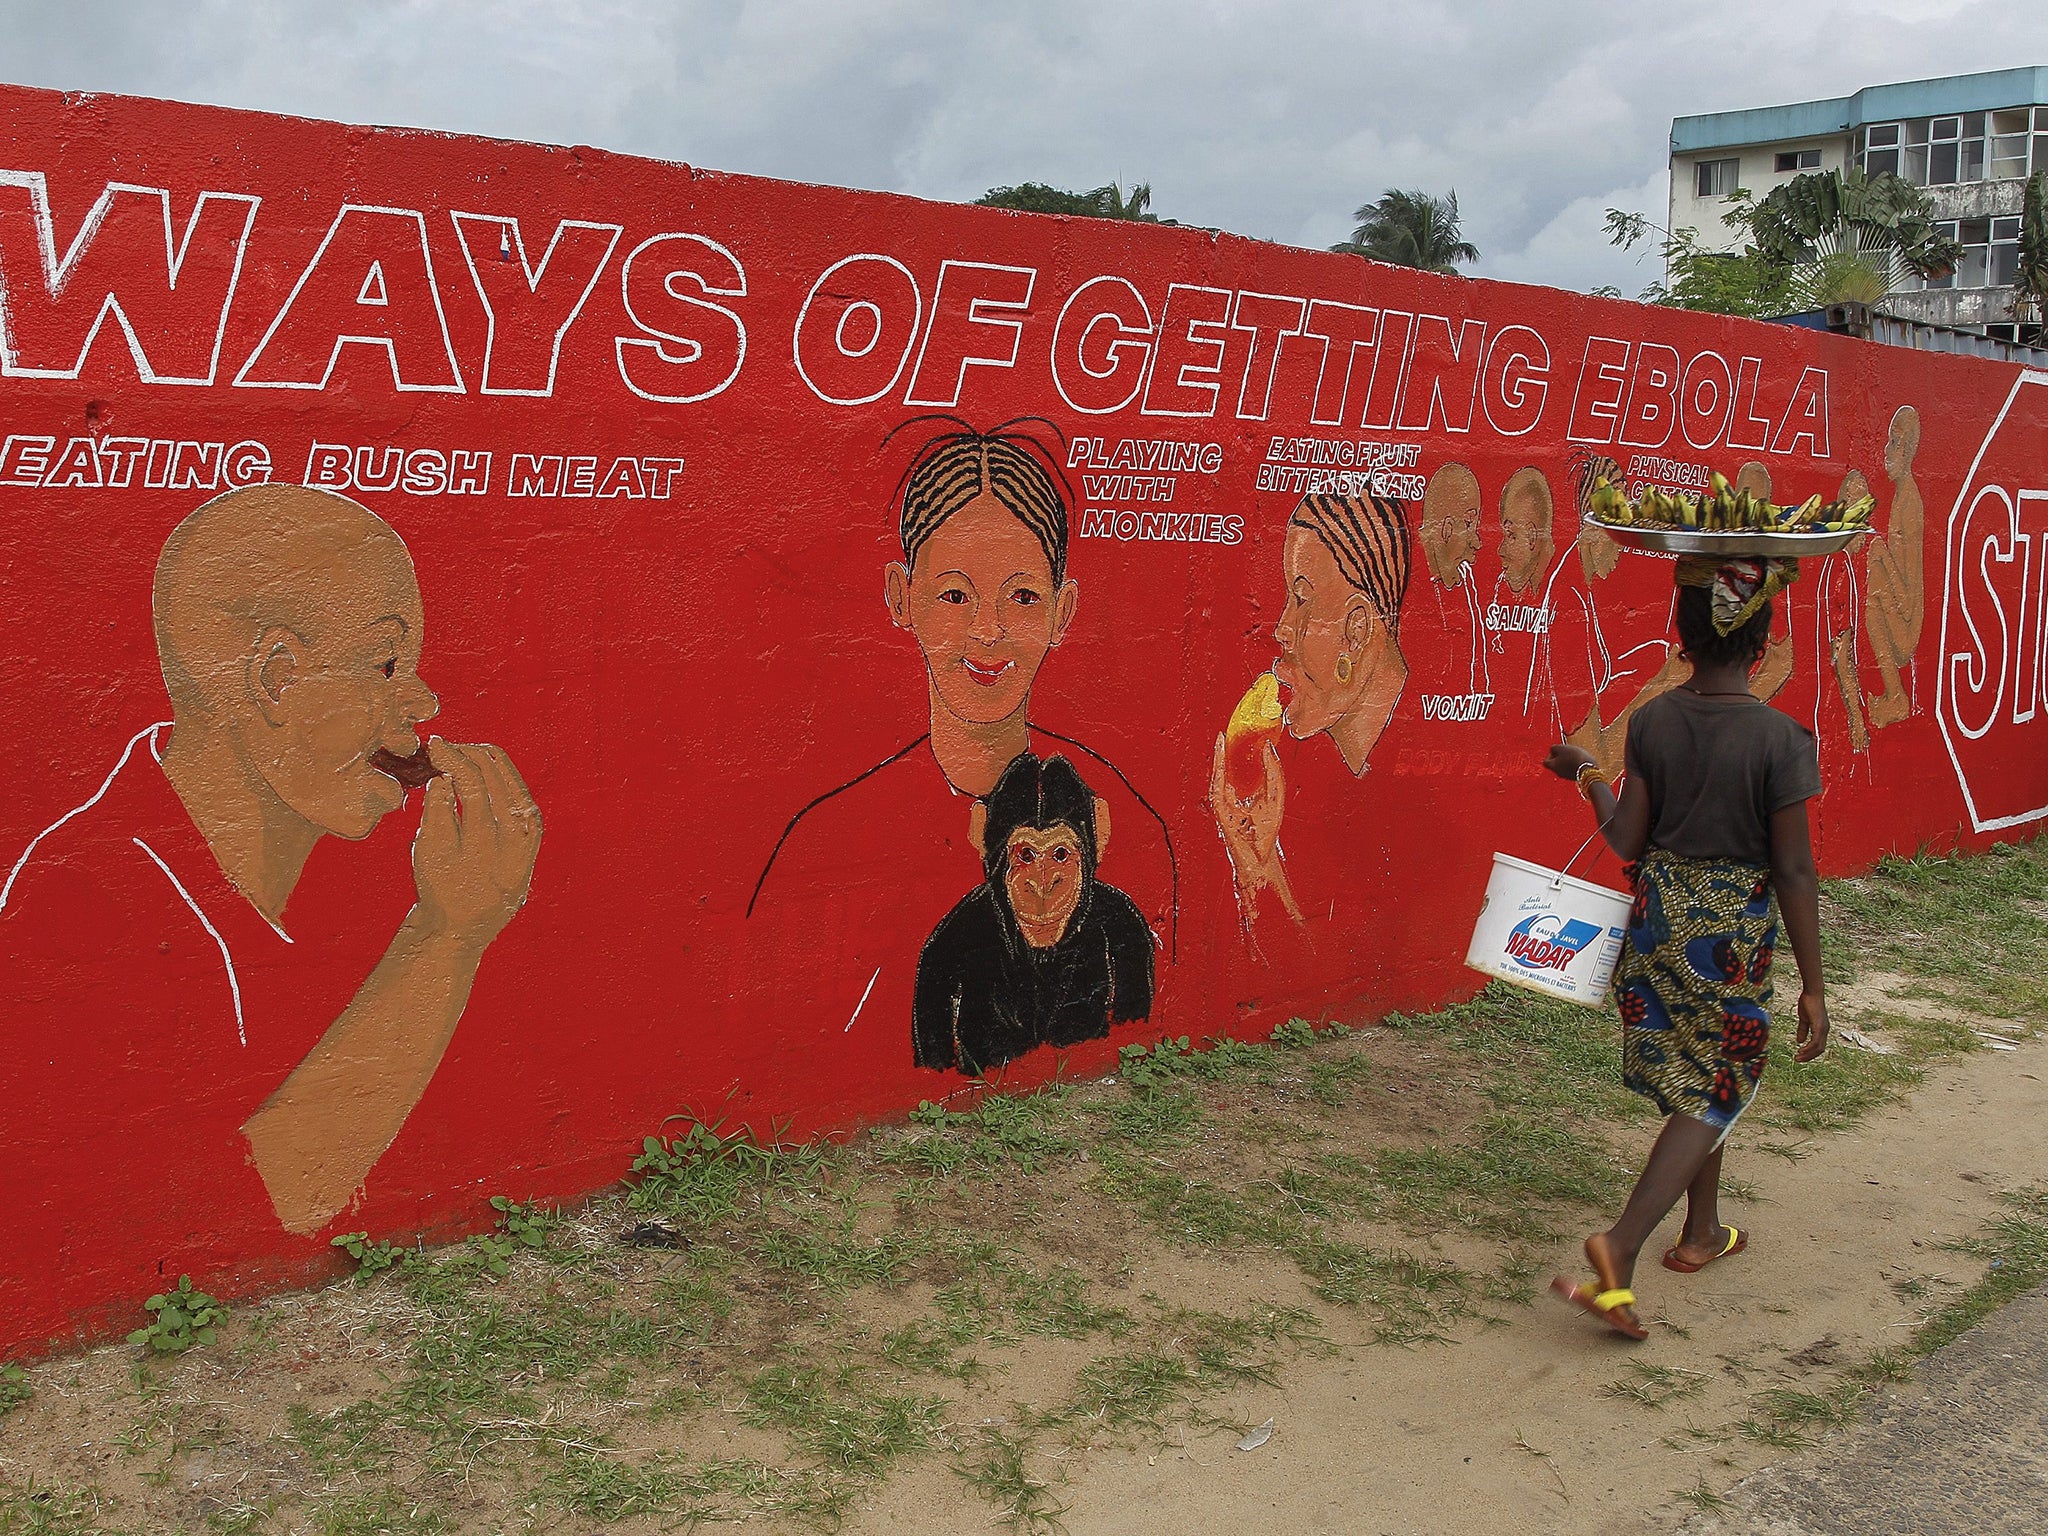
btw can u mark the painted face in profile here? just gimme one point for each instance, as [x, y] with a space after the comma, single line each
[1598, 552]
[349, 688]
[1450, 523]
[984, 608]
[1901, 443]
[1042, 877]
[1323, 634]
[1526, 541]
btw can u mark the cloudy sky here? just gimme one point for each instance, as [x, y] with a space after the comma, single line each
[1272, 118]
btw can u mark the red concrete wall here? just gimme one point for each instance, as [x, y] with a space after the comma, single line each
[639, 417]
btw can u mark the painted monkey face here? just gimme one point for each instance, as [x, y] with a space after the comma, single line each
[984, 609]
[338, 695]
[1325, 633]
[1042, 873]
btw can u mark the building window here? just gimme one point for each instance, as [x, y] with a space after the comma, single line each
[1963, 147]
[1799, 160]
[1945, 151]
[1991, 253]
[1716, 178]
[2009, 144]
[2005, 252]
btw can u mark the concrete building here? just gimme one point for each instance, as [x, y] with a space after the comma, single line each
[1970, 140]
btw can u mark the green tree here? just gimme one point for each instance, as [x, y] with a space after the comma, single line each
[1106, 202]
[1718, 282]
[2030, 282]
[1410, 229]
[1845, 235]
[1823, 238]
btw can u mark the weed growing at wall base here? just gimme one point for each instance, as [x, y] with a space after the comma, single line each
[370, 1257]
[182, 1318]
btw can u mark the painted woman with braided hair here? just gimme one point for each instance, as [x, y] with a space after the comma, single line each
[862, 875]
[1346, 562]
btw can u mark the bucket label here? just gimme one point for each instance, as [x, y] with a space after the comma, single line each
[1549, 942]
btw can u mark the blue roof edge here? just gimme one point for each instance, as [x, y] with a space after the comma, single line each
[1982, 92]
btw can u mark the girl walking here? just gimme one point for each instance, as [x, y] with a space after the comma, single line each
[1712, 818]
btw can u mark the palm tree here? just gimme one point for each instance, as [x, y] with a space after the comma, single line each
[1108, 202]
[1115, 205]
[1847, 236]
[1410, 229]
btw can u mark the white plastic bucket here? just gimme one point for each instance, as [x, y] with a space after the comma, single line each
[1549, 932]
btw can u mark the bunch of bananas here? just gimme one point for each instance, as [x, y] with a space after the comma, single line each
[1726, 509]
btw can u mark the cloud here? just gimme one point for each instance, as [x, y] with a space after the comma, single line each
[1274, 119]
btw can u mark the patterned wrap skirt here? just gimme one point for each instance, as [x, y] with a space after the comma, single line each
[1694, 984]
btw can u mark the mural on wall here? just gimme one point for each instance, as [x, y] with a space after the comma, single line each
[289, 627]
[1045, 952]
[1450, 540]
[1575, 654]
[1345, 563]
[1896, 601]
[860, 585]
[1837, 618]
[983, 588]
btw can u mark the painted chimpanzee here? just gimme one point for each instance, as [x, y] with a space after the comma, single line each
[1043, 953]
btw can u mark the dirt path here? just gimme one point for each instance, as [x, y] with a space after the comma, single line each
[1517, 1427]
[1961, 1450]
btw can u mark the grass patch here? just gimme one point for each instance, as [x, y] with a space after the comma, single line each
[2015, 1248]
[997, 1466]
[862, 1303]
[838, 1418]
[33, 1508]
[1656, 1386]
[1182, 1355]
[1970, 922]
[383, 1513]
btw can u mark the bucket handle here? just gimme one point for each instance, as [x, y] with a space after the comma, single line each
[1557, 882]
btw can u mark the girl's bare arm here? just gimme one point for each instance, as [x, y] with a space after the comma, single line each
[1625, 818]
[1798, 887]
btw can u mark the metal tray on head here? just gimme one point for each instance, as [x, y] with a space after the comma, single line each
[1730, 542]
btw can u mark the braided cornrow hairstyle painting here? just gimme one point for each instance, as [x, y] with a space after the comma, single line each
[952, 468]
[983, 516]
[1598, 552]
[1346, 564]
[1368, 537]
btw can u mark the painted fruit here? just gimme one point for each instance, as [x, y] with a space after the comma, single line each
[1254, 722]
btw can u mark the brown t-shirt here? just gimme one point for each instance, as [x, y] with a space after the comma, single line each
[1717, 770]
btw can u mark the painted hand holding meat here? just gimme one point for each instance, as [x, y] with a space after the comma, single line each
[882, 760]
